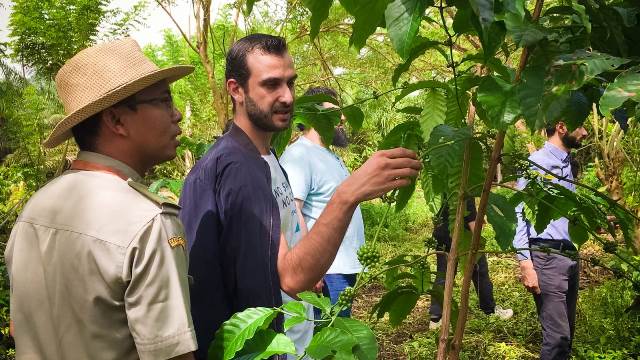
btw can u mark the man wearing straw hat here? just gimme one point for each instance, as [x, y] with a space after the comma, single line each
[97, 264]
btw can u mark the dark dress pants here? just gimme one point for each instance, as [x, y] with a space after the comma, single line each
[481, 282]
[558, 278]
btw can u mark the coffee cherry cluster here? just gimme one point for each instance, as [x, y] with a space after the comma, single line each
[422, 265]
[346, 297]
[388, 198]
[430, 242]
[368, 256]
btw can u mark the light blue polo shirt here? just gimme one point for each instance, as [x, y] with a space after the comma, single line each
[314, 173]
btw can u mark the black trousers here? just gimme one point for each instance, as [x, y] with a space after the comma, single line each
[481, 282]
[558, 278]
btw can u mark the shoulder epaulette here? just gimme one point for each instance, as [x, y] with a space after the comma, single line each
[157, 199]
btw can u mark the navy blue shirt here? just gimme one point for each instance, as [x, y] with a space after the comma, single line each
[232, 223]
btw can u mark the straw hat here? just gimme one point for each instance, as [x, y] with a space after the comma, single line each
[101, 76]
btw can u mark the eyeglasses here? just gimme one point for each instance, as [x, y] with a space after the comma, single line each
[165, 101]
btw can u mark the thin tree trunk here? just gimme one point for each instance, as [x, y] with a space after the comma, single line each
[202, 14]
[452, 256]
[456, 345]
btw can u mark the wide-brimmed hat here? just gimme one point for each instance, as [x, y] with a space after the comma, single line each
[101, 76]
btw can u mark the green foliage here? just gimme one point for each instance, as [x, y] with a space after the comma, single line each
[501, 214]
[498, 103]
[368, 15]
[434, 112]
[235, 332]
[47, 33]
[403, 18]
[331, 341]
[625, 86]
[398, 302]
[420, 46]
[319, 13]
[297, 314]
[366, 345]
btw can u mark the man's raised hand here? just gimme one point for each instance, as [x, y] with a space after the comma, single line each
[384, 171]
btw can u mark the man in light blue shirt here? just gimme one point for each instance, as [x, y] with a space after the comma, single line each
[315, 172]
[552, 278]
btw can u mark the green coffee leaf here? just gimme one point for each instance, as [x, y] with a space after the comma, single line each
[498, 102]
[398, 303]
[578, 233]
[368, 15]
[280, 140]
[331, 341]
[264, 344]
[366, 345]
[402, 135]
[501, 214]
[319, 301]
[420, 46]
[354, 115]
[319, 13]
[249, 7]
[425, 84]
[403, 19]
[523, 32]
[295, 308]
[235, 332]
[323, 120]
[626, 86]
[433, 112]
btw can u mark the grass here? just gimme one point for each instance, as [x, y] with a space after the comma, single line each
[603, 329]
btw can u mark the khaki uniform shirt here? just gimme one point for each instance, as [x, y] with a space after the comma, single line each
[98, 270]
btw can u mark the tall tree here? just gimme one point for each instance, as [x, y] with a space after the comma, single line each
[46, 33]
[202, 44]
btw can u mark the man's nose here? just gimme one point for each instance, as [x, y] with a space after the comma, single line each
[177, 115]
[287, 96]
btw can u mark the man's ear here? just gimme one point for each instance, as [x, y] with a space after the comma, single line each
[113, 123]
[235, 90]
[561, 128]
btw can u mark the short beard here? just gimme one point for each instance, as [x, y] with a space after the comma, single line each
[260, 118]
[340, 138]
[570, 141]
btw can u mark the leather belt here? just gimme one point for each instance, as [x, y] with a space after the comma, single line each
[561, 245]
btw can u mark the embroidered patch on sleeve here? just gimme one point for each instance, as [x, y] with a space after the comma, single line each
[177, 241]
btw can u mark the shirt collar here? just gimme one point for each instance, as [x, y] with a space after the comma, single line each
[236, 133]
[557, 152]
[110, 162]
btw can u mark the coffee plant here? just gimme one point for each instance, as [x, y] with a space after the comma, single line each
[532, 61]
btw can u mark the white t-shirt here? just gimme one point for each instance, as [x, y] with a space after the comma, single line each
[301, 334]
[315, 173]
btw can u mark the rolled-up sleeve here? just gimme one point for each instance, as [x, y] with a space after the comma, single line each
[157, 295]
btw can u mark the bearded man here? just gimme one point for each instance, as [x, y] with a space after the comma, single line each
[552, 278]
[239, 214]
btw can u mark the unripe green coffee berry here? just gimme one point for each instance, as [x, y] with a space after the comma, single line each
[346, 297]
[368, 256]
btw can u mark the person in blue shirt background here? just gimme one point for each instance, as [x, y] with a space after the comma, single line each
[315, 172]
[552, 278]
